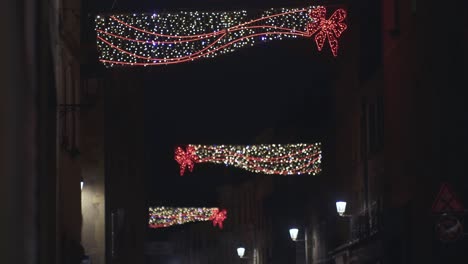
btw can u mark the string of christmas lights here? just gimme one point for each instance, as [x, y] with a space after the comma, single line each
[170, 38]
[160, 217]
[269, 159]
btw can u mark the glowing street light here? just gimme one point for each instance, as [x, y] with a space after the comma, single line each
[293, 233]
[240, 251]
[341, 207]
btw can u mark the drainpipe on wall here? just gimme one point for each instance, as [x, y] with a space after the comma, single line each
[306, 242]
[364, 151]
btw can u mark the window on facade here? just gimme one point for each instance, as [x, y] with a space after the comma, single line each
[374, 125]
[354, 145]
[363, 130]
[396, 18]
[380, 121]
[371, 127]
[370, 39]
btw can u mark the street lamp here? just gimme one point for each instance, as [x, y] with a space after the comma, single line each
[341, 208]
[81, 183]
[240, 252]
[293, 233]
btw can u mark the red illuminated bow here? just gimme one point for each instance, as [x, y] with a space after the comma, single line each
[218, 217]
[327, 28]
[185, 158]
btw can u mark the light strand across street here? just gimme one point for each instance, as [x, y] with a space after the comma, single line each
[280, 159]
[171, 38]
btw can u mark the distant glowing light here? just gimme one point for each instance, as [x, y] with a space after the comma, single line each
[160, 217]
[340, 207]
[293, 232]
[240, 252]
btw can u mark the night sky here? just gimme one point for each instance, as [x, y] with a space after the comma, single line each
[278, 89]
[228, 100]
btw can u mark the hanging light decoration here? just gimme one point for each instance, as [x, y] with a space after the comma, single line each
[269, 159]
[162, 216]
[170, 38]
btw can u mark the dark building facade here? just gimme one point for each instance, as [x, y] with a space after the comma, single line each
[397, 120]
[126, 212]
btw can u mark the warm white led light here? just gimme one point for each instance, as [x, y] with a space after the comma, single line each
[169, 38]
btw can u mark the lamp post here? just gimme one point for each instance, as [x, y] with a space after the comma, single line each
[341, 208]
[240, 252]
[293, 233]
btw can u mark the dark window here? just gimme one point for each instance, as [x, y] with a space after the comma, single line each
[375, 122]
[364, 137]
[380, 121]
[395, 31]
[371, 128]
[370, 39]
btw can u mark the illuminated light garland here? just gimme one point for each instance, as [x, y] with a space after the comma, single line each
[160, 217]
[269, 159]
[170, 38]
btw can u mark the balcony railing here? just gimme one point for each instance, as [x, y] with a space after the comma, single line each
[363, 225]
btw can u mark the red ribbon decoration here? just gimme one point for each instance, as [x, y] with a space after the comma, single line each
[218, 217]
[186, 158]
[327, 28]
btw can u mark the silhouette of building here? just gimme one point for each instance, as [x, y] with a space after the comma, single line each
[126, 211]
[388, 108]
